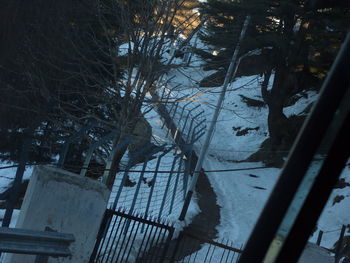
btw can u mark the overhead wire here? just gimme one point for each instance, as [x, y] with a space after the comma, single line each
[150, 171]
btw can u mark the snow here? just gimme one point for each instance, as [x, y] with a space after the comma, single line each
[299, 107]
[240, 202]
[8, 174]
[240, 194]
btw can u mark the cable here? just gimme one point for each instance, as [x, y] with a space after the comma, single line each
[152, 171]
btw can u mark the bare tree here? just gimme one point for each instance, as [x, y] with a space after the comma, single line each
[75, 62]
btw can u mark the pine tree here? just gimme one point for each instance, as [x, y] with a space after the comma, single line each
[298, 40]
[48, 76]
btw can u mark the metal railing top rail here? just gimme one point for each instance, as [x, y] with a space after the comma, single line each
[154, 221]
[31, 242]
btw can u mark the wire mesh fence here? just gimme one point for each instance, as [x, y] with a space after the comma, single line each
[127, 237]
[159, 194]
[187, 118]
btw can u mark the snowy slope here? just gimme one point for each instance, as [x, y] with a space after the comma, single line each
[242, 194]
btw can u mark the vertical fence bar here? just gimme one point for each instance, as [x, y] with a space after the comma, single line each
[339, 245]
[148, 255]
[147, 242]
[191, 125]
[228, 256]
[111, 155]
[162, 96]
[167, 187]
[212, 254]
[195, 130]
[101, 235]
[177, 246]
[14, 195]
[186, 120]
[165, 106]
[92, 149]
[185, 124]
[206, 255]
[319, 238]
[124, 245]
[170, 126]
[126, 173]
[109, 238]
[239, 255]
[155, 178]
[136, 192]
[167, 243]
[74, 137]
[143, 239]
[122, 237]
[155, 250]
[182, 112]
[222, 255]
[186, 173]
[160, 246]
[176, 183]
[133, 240]
[138, 186]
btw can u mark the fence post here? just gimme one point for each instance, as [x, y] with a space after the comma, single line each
[154, 179]
[91, 150]
[339, 245]
[176, 248]
[167, 188]
[319, 238]
[14, 195]
[176, 183]
[126, 172]
[74, 137]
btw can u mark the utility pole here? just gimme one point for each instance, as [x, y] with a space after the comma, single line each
[232, 69]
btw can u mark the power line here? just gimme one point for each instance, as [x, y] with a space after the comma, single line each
[152, 171]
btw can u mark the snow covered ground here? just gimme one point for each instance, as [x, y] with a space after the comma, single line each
[242, 194]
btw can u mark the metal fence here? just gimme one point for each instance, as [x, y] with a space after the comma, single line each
[152, 190]
[187, 118]
[207, 251]
[43, 244]
[126, 237]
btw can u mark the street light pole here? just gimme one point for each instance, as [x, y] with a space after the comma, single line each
[232, 69]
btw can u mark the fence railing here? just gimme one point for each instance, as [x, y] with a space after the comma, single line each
[40, 243]
[207, 250]
[152, 190]
[182, 118]
[340, 247]
[126, 237]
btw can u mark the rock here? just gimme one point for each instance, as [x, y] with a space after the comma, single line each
[142, 135]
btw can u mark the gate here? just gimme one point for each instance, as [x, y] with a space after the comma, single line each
[125, 237]
[207, 250]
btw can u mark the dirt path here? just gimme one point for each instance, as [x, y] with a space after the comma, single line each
[204, 223]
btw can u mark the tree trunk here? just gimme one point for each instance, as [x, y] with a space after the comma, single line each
[275, 98]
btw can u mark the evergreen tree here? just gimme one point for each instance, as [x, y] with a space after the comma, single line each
[67, 69]
[51, 77]
[298, 41]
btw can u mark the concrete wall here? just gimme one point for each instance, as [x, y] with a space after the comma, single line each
[66, 203]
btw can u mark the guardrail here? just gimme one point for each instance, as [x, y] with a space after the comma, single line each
[41, 243]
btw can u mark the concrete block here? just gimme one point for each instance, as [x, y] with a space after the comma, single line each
[64, 202]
